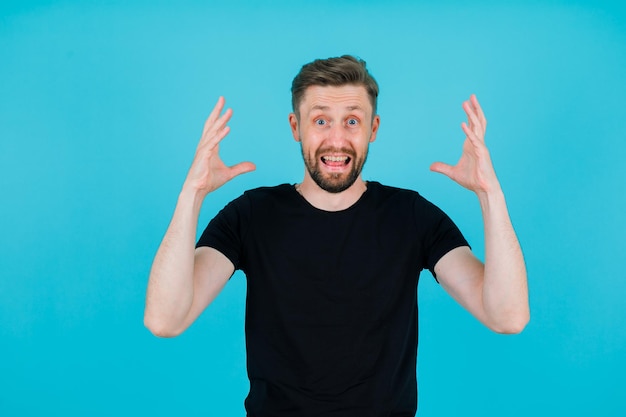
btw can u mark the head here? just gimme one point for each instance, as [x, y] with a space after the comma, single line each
[334, 120]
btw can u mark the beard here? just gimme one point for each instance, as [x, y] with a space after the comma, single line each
[334, 182]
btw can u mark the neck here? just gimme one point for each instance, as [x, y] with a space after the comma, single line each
[326, 201]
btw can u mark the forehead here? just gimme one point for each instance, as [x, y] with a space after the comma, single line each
[347, 96]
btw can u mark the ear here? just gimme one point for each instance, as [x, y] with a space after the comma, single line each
[293, 123]
[375, 126]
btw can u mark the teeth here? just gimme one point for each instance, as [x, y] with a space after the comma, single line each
[336, 158]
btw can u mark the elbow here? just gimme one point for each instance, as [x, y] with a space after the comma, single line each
[514, 325]
[159, 328]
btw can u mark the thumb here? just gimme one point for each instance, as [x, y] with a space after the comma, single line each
[441, 168]
[242, 168]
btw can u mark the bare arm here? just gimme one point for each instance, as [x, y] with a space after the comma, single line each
[497, 292]
[183, 280]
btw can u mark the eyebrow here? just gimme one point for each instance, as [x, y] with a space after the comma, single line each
[320, 107]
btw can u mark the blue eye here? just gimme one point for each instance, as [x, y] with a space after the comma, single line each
[353, 122]
[320, 122]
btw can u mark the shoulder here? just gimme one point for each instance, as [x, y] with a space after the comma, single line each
[383, 192]
[264, 198]
[386, 191]
[405, 204]
[269, 194]
[270, 191]
[253, 205]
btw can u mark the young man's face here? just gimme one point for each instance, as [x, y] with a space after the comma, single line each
[334, 129]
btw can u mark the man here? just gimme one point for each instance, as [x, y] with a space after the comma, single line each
[332, 263]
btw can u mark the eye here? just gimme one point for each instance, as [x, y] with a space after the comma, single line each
[352, 122]
[320, 122]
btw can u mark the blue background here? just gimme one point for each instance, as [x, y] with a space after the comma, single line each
[101, 107]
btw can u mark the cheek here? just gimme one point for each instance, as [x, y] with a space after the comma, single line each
[362, 139]
[310, 140]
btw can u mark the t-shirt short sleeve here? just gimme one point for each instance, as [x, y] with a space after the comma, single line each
[226, 231]
[440, 234]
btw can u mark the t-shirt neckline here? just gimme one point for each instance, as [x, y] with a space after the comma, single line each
[368, 190]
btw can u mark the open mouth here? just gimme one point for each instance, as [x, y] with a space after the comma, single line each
[335, 160]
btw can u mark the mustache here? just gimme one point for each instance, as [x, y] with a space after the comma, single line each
[348, 151]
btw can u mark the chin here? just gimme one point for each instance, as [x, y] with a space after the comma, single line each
[335, 184]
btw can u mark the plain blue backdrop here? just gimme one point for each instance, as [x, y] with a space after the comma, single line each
[101, 107]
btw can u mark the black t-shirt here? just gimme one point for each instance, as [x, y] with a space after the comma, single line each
[331, 312]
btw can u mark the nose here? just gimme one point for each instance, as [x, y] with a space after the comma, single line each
[336, 135]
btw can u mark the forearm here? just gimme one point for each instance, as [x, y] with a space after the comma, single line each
[171, 285]
[505, 287]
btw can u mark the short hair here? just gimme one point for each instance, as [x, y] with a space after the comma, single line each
[336, 72]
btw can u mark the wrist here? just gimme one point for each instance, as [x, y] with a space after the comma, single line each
[494, 196]
[190, 195]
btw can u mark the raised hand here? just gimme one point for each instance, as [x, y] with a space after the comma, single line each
[208, 172]
[495, 292]
[474, 169]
